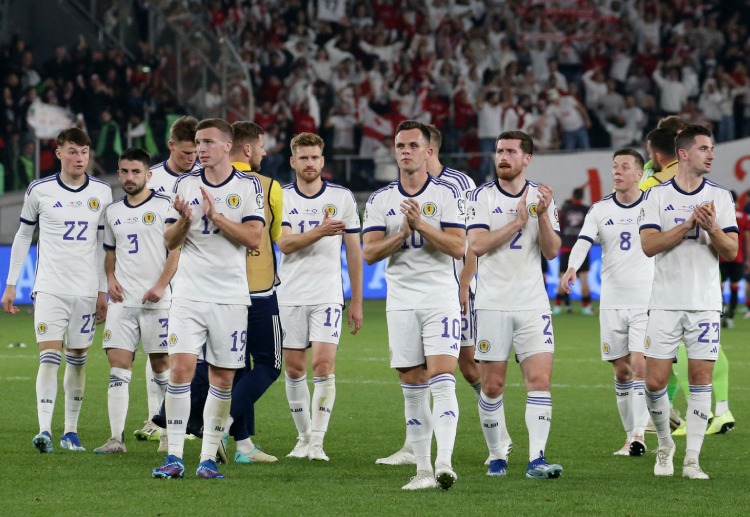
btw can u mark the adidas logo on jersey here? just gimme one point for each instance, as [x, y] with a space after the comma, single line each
[391, 212]
[117, 222]
[293, 211]
[669, 207]
[497, 210]
[195, 202]
[609, 223]
[335, 334]
[448, 413]
[57, 205]
[413, 421]
[161, 189]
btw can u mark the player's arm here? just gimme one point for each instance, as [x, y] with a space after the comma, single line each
[464, 281]
[18, 252]
[655, 241]
[354, 265]
[724, 242]
[482, 240]
[114, 288]
[290, 242]
[101, 298]
[577, 256]
[549, 240]
[170, 268]
[276, 200]
[378, 247]
[449, 240]
[176, 230]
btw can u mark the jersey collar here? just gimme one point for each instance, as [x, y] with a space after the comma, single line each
[422, 189]
[678, 189]
[63, 185]
[127, 204]
[621, 205]
[505, 193]
[318, 194]
[206, 182]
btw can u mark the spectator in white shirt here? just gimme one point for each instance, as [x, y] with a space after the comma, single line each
[672, 93]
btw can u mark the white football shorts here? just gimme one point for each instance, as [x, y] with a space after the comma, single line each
[415, 334]
[69, 318]
[699, 330]
[528, 332]
[304, 324]
[127, 326]
[622, 331]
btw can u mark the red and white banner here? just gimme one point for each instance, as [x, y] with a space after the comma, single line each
[374, 129]
[48, 120]
[593, 169]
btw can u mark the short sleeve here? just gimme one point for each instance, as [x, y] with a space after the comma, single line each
[351, 217]
[649, 216]
[590, 228]
[453, 210]
[477, 211]
[254, 205]
[109, 235]
[374, 217]
[30, 210]
[726, 215]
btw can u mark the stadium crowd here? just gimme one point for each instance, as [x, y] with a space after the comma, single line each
[572, 73]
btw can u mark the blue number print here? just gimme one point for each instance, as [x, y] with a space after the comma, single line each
[680, 220]
[89, 323]
[706, 329]
[165, 325]
[206, 229]
[337, 312]
[548, 319]
[513, 244]
[134, 241]
[242, 339]
[625, 241]
[71, 226]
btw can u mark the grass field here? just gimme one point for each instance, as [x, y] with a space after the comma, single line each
[367, 423]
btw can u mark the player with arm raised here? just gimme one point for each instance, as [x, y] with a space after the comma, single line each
[511, 221]
[417, 223]
[70, 287]
[318, 217]
[138, 274]
[216, 215]
[687, 223]
[627, 275]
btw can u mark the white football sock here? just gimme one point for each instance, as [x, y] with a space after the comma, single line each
[298, 395]
[698, 408]
[538, 421]
[418, 422]
[177, 406]
[639, 407]
[215, 415]
[444, 416]
[492, 418]
[74, 382]
[625, 405]
[323, 397]
[658, 407]
[118, 398]
[46, 387]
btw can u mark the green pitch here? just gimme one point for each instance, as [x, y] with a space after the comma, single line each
[367, 423]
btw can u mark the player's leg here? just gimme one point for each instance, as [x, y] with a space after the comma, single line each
[466, 363]
[494, 339]
[264, 346]
[613, 325]
[156, 380]
[663, 335]
[120, 341]
[325, 329]
[78, 338]
[534, 345]
[702, 343]
[296, 342]
[561, 294]
[407, 358]
[188, 332]
[583, 278]
[637, 322]
[225, 353]
[441, 337]
[723, 419]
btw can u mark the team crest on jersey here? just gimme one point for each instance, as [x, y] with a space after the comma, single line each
[94, 204]
[605, 348]
[172, 339]
[41, 328]
[107, 335]
[149, 218]
[429, 209]
[234, 201]
[330, 210]
[483, 346]
[647, 345]
[259, 200]
[533, 210]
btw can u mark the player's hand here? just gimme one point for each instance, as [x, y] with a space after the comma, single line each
[568, 279]
[705, 216]
[356, 316]
[463, 299]
[114, 290]
[9, 296]
[405, 228]
[523, 212]
[411, 209]
[209, 207]
[545, 199]
[331, 227]
[153, 295]
[183, 208]
[101, 308]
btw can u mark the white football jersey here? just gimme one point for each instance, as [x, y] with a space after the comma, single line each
[509, 277]
[213, 268]
[418, 275]
[687, 276]
[312, 275]
[136, 233]
[465, 185]
[627, 273]
[68, 219]
[163, 178]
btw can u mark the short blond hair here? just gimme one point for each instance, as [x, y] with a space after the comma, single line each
[306, 140]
